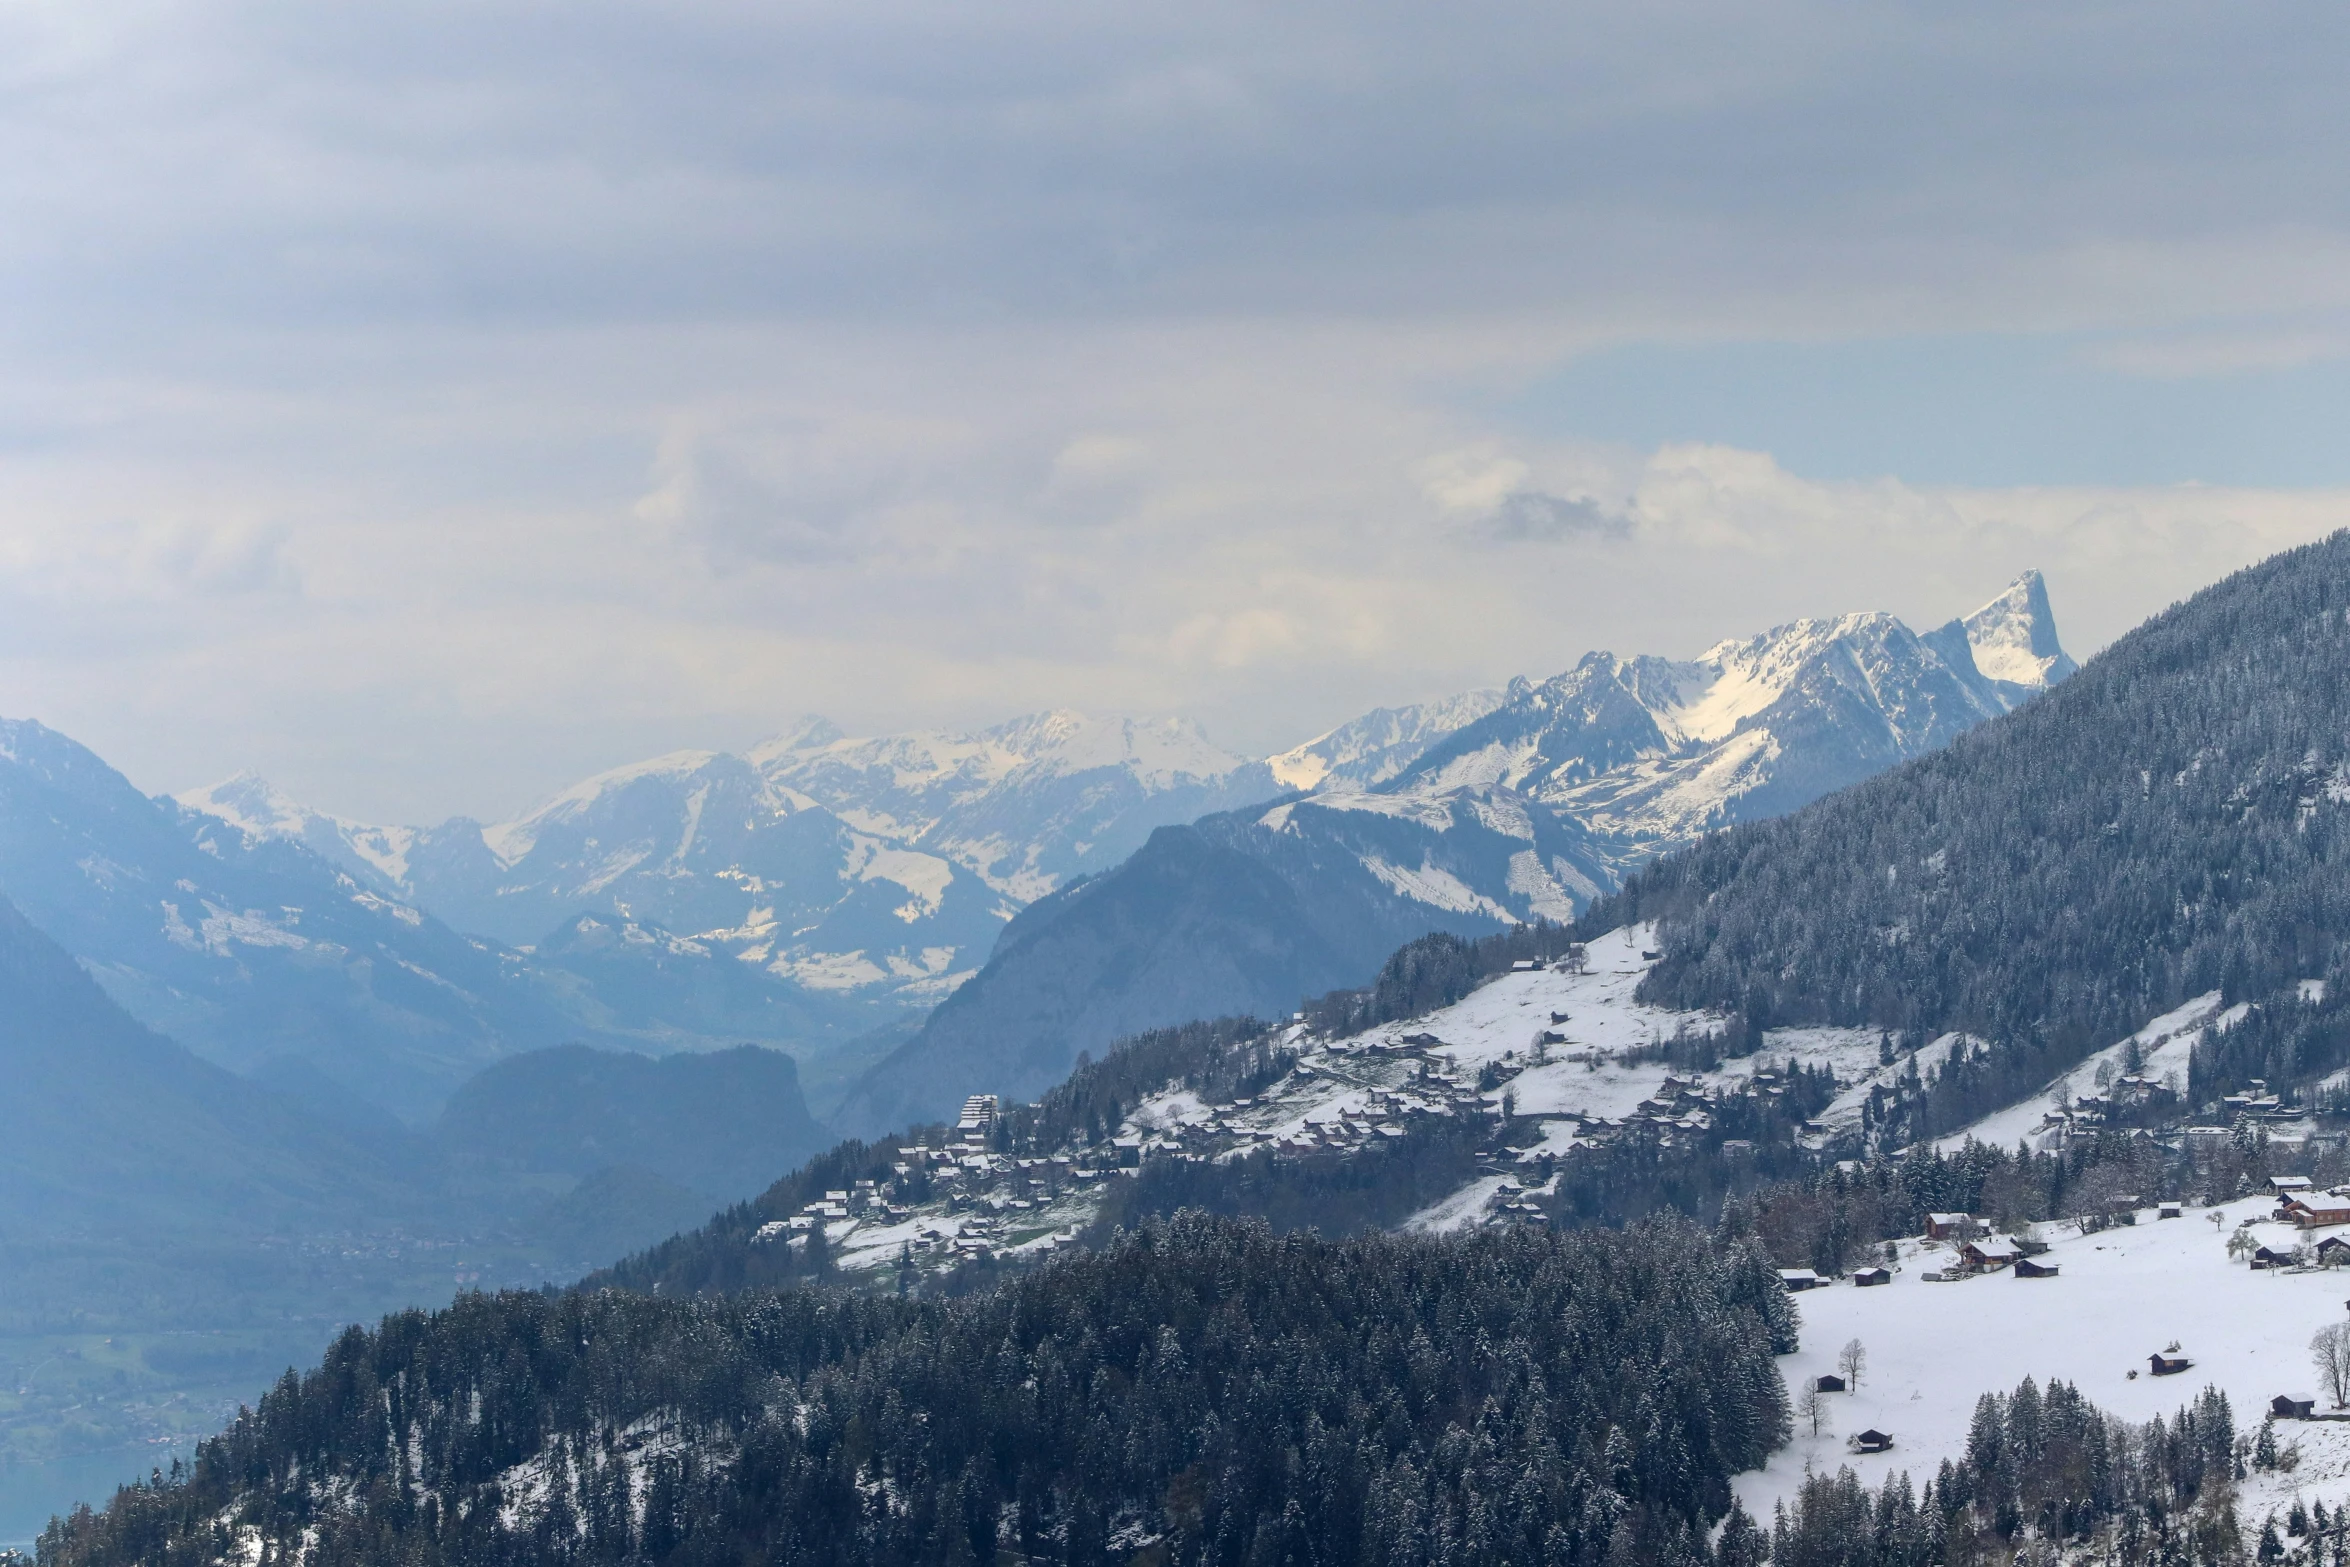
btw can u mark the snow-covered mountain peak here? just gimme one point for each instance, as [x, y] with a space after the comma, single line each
[1381, 743]
[510, 841]
[2014, 637]
[251, 804]
[808, 732]
[258, 810]
[1649, 751]
[1158, 751]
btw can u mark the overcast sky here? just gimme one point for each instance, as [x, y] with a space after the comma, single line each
[426, 405]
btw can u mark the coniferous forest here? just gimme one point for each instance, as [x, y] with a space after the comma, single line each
[2174, 819]
[1199, 1391]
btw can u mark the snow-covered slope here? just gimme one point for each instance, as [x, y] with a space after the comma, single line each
[259, 809]
[2164, 1049]
[2120, 1295]
[1025, 805]
[1571, 1050]
[1375, 747]
[2013, 638]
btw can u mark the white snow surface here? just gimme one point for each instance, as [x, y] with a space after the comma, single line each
[1584, 1076]
[1375, 747]
[2006, 637]
[510, 841]
[2165, 1047]
[2121, 1295]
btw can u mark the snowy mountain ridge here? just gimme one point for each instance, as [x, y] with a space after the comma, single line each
[886, 866]
[1652, 752]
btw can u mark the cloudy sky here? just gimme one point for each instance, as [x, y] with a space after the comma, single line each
[428, 404]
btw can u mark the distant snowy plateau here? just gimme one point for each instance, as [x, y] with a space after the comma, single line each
[884, 868]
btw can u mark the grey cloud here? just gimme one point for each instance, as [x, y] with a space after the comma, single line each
[1060, 352]
[1534, 516]
[516, 163]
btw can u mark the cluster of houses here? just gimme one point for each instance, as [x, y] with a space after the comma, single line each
[1979, 1251]
[2300, 1204]
[2133, 1097]
[1508, 1204]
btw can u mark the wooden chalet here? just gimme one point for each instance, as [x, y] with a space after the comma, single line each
[2317, 1213]
[2167, 1365]
[2032, 1268]
[1866, 1278]
[1797, 1279]
[1951, 1226]
[2273, 1257]
[2333, 1251]
[2286, 1407]
[2286, 1186]
[1871, 1441]
[1994, 1251]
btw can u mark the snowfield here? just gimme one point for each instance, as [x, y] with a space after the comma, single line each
[2122, 1294]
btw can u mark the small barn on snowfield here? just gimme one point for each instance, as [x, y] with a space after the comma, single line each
[2029, 1268]
[1991, 1252]
[1829, 1382]
[2168, 1365]
[1866, 1277]
[2286, 1407]
[1871, 1441]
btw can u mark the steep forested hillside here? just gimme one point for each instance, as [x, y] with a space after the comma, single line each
[1200, 1392]
[724, 1123]
[2173, 819]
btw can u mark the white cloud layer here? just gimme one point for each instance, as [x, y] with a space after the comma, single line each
[430, 403]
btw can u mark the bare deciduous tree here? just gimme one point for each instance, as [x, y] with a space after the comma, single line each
[1852, 1360]
[1813, 1408]
[2330, 1349]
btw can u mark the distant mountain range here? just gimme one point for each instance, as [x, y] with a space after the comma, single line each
[266, 959]
[818, 886]
[887, 867]
[1529, 807]
[848, 867]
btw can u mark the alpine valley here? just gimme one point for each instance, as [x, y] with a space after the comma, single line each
[1873, 1169]
[287, 1071]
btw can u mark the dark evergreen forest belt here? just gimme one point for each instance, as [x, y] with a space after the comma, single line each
[2172, 820]
[1200, 1391]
